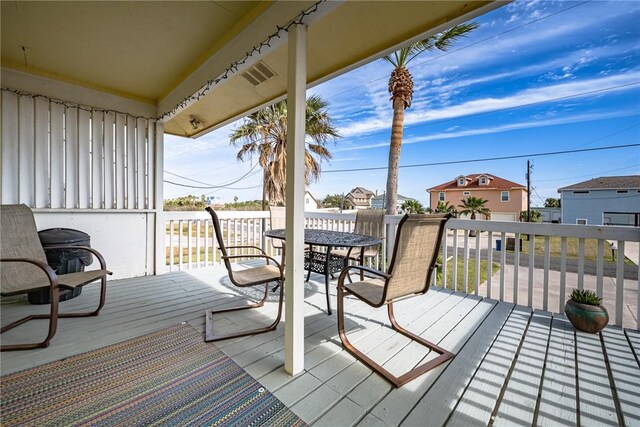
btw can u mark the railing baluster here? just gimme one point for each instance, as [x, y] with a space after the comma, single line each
[489, 262]
[206, 242]
[189, 244]
[600, 268]
[198, 243]
[477, 266]
[581, 263]
[545, 286]
[516, 268]
[444, 259]
[563, 274]
[171, 245]
[465, 263]
[620, 284]
[503, 262]
[532, 265]
[454, 266]
[180, 245]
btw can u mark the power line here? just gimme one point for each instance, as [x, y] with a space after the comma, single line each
[207, 185]
[518, 156]
[583, 176]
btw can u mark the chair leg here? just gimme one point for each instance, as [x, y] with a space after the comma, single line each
[210, 336]
[53, 317]
[395, 381]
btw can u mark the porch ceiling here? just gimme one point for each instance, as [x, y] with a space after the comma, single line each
[161, 52]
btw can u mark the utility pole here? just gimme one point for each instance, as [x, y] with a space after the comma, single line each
[528, 190]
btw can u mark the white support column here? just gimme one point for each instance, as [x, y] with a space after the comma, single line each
[158, 195]
[294, 274]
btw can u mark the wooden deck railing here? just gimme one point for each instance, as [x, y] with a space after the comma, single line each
[555, 259]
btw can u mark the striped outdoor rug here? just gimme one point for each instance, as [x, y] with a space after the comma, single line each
[169, 377]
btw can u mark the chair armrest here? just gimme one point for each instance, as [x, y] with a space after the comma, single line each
[103, 264]
[247, 247]
[267, 257]
[345, 272]
[50, 272]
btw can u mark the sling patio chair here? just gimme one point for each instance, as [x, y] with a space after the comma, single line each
[412, 264]
[369, 222]
[252, 276]
[277, 219]
[23, 269]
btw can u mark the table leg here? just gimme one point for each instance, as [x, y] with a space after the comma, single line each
[326, 279]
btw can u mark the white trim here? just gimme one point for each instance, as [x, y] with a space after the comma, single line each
[294, 285]
[441, 196]
[508, 196]
[586, 222]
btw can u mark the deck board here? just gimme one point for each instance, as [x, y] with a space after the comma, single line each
[395, 406]
[558, 395]
[521, 392]
[484, 378]
[625, 372]
[480, 398]
[595, 404]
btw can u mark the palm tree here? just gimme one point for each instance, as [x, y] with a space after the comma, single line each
[412, 207]
[472, 206]
[401, 90]
[264, 134]
[444, 207]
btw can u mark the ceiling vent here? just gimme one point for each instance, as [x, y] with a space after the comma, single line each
[258, 73]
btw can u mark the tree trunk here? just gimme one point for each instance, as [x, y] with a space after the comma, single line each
[397, 126]
[264, 190]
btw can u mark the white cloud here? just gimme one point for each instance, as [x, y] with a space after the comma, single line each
[565, 119]
[575, 88]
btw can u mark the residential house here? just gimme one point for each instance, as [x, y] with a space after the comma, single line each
[612, 200]
[360, 198]
[377, 202]
[548, 214]
[506, 199]
[310, 202]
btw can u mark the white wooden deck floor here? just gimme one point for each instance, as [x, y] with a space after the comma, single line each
[513, 366]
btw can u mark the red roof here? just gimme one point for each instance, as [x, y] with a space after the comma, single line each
[495, 183]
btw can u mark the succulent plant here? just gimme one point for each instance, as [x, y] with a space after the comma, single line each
[584, 296]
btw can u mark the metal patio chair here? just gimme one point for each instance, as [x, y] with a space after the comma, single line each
[369, 222]
[260, 275]
[412, 264]
[23, 269]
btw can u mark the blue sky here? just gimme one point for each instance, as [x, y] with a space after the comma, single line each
[535, 77]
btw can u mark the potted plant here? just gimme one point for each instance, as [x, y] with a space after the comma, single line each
[585, 311]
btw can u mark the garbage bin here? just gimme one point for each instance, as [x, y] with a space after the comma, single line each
[498, 244]
[63, 261]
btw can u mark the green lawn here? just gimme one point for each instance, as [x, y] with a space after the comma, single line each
[472, 274]
[590, 247]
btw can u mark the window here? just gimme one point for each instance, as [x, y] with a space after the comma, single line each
[622, 191]
[581, 192]
[462, 181]
[466, 193]
[581, 221]
[483, 180]
[441, 196]
[504, 196]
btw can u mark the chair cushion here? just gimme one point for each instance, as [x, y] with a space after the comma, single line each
[369, 290]
[256, 275]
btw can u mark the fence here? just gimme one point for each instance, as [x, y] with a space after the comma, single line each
[539, 272]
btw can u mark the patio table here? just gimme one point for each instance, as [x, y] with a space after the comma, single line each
[324, 262]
